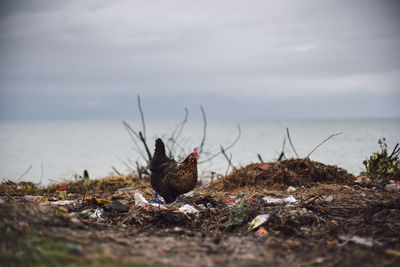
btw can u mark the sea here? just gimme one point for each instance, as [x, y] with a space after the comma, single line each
[45, 152]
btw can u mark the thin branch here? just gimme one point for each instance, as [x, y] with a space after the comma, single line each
[142, 138]
[291, 144]
[229, 159]
[181, 125]
[260, 158]
[42, 172]
[333, 135]
[204, 129]
[132, 133]
[115, 170]
[395, 152]
[30, 167]
[142, 117]
[282, 155]
[176, 133]
[131, 129]
[126, 164]
[226, 148]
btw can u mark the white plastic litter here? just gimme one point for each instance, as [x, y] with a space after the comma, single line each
[62, 202]
[393, 187]
[142, 202]
[366, 241]
[291, 189]
[188, 209]
[290, 199]
[258, 221]
[97, 213]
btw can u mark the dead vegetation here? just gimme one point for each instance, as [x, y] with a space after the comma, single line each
[333, 221]
[280, 175]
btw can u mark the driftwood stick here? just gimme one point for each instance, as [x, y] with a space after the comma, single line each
[226, 148]
[204, 129]
[29, 168]
[132, 134]
[290, 141]
[115, 170]
[282, 155]
[395, 152]
[229, 159]
[175, 135]
[331, 136]
[260, 158]
[142, 117]
[142, 138]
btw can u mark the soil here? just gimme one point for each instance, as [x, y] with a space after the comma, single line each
[335, 221]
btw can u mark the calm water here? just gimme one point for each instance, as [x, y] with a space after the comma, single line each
[60, 149]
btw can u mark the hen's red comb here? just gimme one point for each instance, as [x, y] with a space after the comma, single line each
[195, 152]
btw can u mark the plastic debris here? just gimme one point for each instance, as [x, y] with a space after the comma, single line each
[116, 206]
[328, 198]
[261, 232]
[97, 213]
[62, 191]
[291, 189]
[125, 189]
[61, 202]
[258, 221]
[142, 202]
[98, 201]
[290, 199]
[365, 241]
[264, 166]
[73, 246]
[188, 209]
[229, 200]
[393, 187]
[158, 199]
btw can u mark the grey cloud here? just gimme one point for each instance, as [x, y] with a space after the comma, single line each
[244, 51]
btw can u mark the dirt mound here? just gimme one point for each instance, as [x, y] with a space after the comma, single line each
[279, 175]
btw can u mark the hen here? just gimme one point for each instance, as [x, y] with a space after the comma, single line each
[170, 178]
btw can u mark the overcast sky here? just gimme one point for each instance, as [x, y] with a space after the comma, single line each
[240, 59]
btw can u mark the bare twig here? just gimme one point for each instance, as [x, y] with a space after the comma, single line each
[282, 155]
[229, 159]
[333, 135]
[175, 134]
[290, 141]
[30, 167]
[260, 158]
[142, 138]
[126, 164]
[116, 171]
[138, 169]
[42, 172]
[395, 152]
[142, 117]
[181, 125]
[132, 133]
[226, 148]
[204, 129]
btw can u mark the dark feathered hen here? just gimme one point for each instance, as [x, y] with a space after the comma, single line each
[170, 178]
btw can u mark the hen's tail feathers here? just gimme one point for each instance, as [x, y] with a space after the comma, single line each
[159, 156]
[160, 148]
